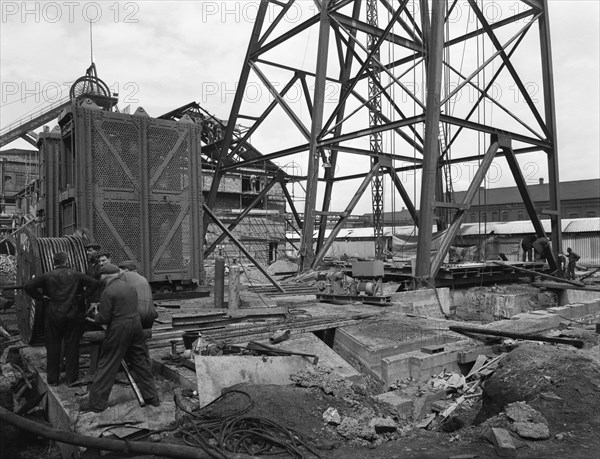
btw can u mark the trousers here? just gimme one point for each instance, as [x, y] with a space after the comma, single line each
[124, 340]
[56, 330]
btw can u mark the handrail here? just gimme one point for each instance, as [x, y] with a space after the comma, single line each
[27, 118]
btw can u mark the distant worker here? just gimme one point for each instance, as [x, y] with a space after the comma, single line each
[124, 339]
[562, 266]
[145, 308]
[573, 259]
[62, 291]
[540, 245]
[527, 246]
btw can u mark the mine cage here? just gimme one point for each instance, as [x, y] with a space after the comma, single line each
[134, 182]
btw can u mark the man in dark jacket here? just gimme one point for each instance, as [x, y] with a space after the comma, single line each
[527, 246]
[92, 251]
[93, 268]
[573, 259]
[62, 291]
[124, 339]
[146, 308]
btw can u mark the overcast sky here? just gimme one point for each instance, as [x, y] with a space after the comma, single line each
[161, 55]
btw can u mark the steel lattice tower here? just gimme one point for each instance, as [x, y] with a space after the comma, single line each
[334, 123]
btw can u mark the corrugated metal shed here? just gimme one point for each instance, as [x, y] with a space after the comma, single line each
[581, 234]
[581, 225]
[569, 225]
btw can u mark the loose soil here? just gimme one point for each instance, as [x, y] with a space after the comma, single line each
[561, 383]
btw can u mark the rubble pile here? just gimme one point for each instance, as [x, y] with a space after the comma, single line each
[364, 420]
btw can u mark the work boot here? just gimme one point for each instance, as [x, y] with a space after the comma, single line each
[84, 407]
[154, 401]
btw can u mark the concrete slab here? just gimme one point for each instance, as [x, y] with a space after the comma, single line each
[570, 296]
[310, 344]
[574, 311]
[215, 373]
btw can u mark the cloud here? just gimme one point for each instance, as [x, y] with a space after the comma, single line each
[161, 55]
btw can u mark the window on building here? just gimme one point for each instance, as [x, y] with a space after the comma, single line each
[473, 217]
[248, 199]
[520, 215]
[272, 252]
[590, 213]
[494, 216]
[251, 183]
[504, 215]
[9, 184]
[573, 215]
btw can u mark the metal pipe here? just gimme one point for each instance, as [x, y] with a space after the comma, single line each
[233, 300]
[121, 446]
[219, 281]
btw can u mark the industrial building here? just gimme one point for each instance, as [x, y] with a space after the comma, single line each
[476, 243]
[578, 198]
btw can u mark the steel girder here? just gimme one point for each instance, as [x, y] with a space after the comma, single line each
[412, 46]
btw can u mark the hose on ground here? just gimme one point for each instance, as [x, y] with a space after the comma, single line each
[107, 444]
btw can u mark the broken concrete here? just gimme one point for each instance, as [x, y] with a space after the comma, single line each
[403, 404]
[533, 430]
[503, 443]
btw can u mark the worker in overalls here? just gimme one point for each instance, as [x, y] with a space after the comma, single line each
[124, 339]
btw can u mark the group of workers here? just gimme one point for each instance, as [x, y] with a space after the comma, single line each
[538, 245]
[116, 298]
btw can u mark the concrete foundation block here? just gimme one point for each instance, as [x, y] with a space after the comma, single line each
[569, 296]
[423, 366]
[471, 355]
[402, 404]
[547, 300]
[417, 365]
[426, 297]
[505, 305]
[574, 311]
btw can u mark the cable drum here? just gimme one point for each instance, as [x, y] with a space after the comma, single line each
[34, 257]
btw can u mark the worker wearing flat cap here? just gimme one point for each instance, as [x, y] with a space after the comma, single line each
[124, 339]
[146, 308]
[92, 250]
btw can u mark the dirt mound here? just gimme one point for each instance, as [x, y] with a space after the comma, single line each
[544, 377]
[282, 267]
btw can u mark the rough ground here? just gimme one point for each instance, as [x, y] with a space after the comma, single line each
[558, 383]
[542, 376]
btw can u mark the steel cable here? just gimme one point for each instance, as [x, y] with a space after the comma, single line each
[221, 428]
